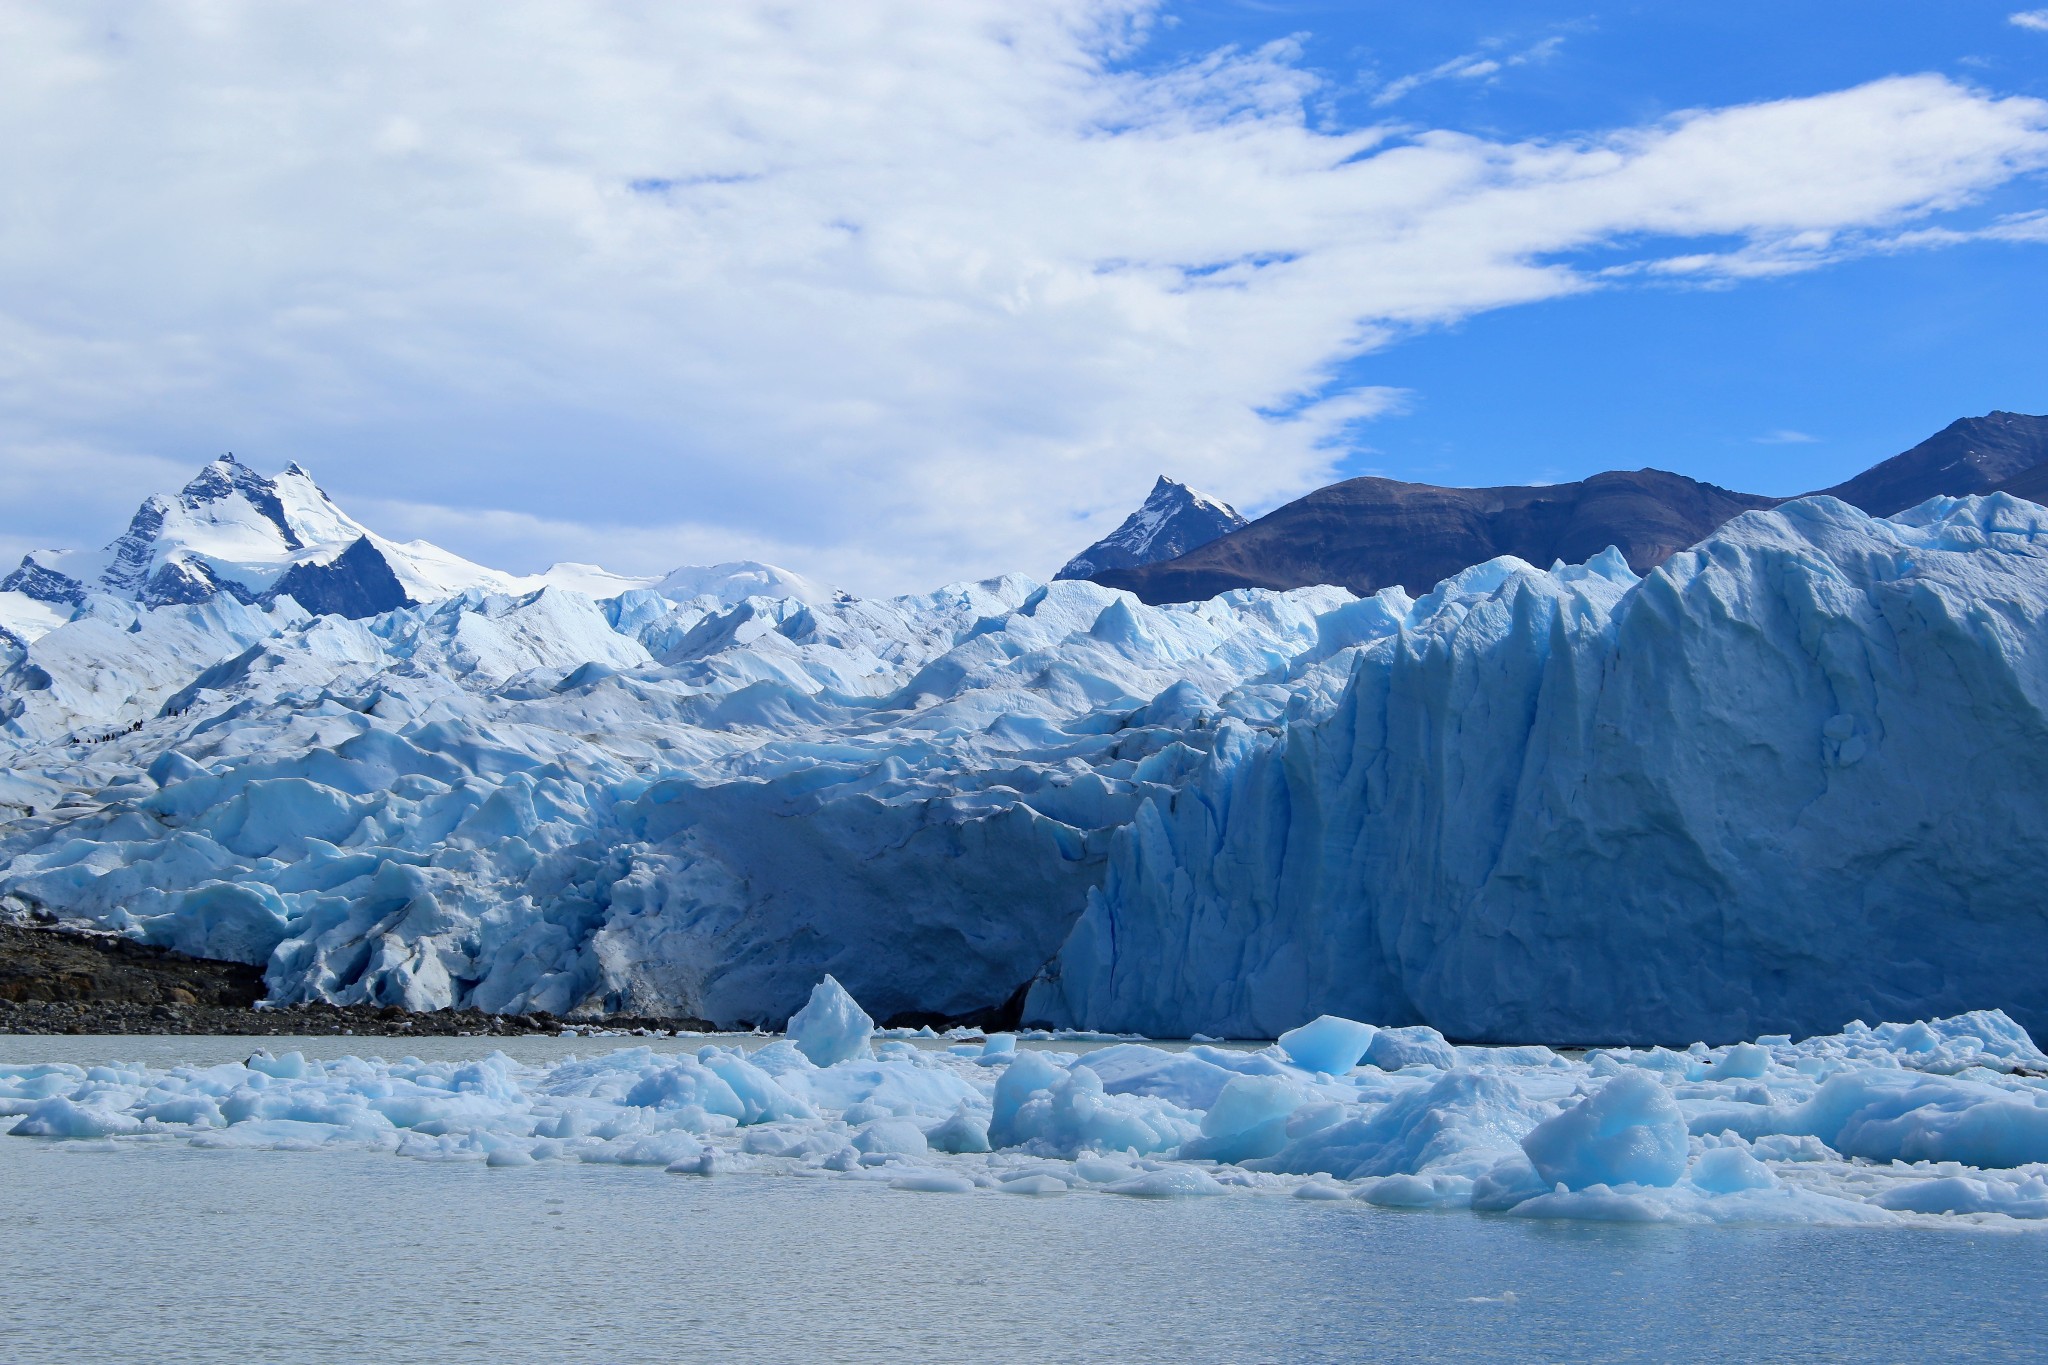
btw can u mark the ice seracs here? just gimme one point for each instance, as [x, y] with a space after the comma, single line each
[1577, 806]
[674, 807]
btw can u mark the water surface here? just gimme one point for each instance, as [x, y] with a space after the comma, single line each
[170, 1252]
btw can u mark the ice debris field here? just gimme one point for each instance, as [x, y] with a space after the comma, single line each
[1942, 1122]
[1793, 777]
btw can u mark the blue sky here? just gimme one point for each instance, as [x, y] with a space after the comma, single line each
[1779, 385]
[900, 293]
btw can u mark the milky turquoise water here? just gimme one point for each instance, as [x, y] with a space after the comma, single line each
[171, 1253]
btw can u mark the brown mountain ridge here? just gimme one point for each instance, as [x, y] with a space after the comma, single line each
[1370, 533]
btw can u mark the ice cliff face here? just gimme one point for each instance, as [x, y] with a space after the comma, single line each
[1172, 520]
[1791, 778]
[1786, 780]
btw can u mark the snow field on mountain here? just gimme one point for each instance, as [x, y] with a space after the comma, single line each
[1935, 1123]
[234, 534]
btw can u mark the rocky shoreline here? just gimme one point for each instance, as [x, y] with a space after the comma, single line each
[55, 981]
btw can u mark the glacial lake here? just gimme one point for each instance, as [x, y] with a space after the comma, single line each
[124, 1251]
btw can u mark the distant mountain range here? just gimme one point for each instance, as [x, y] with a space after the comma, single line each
[1369, 533]
[232, 532]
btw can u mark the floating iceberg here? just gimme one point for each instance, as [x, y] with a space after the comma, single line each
[831, 1027]
[1850, 1128]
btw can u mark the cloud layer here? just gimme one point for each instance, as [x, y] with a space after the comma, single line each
[892, 293]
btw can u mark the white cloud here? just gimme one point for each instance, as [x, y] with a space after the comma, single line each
[1784, 436]
[1470, 66]
[891, 293]
[2036, 19]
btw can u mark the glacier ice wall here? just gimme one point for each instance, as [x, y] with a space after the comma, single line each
[1796, 776]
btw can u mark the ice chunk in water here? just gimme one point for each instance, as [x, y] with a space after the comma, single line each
[1744, 1061]
[1902, 1116]
[1021, 1079]
[1330, 1044]
[965, 1131]
[1248, 1120]
[1724, 1170]
[1461, 1123]
[890, 1137]
[61, 1118]
[1174, 1182]
[1394, 1048]
[831, 1027]
[1628, 1132]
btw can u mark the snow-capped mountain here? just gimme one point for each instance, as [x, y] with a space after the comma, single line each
[1173, 519]
[230, 529]
[234, 533]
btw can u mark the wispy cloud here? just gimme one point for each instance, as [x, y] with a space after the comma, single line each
[887, 292]
[1471, 66]
[1468, 67]
[1784, 436]
[2036, 19]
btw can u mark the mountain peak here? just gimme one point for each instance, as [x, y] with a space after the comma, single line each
[231, 530]
[1172, 520]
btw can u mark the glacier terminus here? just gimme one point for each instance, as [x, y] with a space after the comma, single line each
[1790, 778]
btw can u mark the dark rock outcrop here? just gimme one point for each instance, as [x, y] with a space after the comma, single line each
[45, 965]
[356, 583]
[53, 981]
[43, 584]
[2032, 485]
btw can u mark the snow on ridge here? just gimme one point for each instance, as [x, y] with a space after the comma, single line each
[1172, 520]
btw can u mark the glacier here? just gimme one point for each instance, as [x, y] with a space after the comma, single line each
[1786, 780]
[545, 802]
[1938, 1123]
